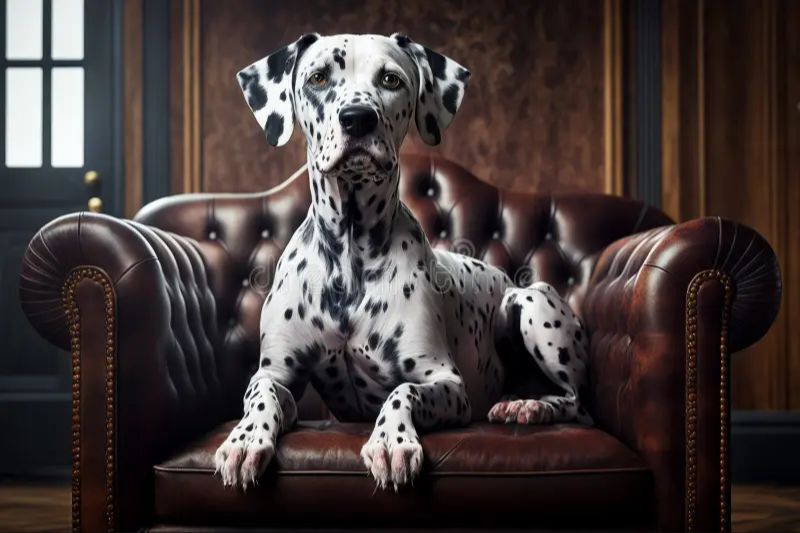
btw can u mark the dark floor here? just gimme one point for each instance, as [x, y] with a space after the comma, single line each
[764, 508]
[46, 507]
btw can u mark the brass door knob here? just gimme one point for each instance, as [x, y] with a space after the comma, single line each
[91, 177]
[95, 204]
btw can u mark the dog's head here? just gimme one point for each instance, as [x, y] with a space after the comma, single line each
[354, 96]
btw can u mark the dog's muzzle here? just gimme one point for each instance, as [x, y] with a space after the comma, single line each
[360, 152]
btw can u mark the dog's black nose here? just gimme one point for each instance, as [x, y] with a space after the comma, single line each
[358, 120]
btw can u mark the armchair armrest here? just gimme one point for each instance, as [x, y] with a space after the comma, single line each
[666, 308]
[132, 305]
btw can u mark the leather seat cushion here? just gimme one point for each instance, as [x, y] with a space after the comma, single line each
[484, 474]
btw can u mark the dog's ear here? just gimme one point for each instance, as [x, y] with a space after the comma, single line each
[267, 87]
[442, 83]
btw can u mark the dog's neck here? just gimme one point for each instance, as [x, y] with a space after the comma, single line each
[357, 218]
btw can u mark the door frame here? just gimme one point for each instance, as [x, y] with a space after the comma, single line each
[104, 38]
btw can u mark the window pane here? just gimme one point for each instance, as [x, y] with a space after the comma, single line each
[67, 117]
[24, 29]
[24, 117]
[67, 29]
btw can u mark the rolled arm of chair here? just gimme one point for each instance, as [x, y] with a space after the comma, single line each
[666, 308]
[132, 306]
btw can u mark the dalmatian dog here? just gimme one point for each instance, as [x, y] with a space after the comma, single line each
[361, 306]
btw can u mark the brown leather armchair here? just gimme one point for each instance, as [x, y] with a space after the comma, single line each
[161, 317]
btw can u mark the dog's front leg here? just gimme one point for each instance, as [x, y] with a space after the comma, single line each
[269, 410]
[393, 453]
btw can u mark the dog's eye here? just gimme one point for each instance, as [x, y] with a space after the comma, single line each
[318, 79]
[390, 81]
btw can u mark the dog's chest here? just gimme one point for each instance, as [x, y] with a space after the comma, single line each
[354, 380]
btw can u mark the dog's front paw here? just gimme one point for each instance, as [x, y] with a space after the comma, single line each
[394, 462]
[244, 455]
[521, 412]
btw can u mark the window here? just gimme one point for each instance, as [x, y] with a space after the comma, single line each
[44, 83]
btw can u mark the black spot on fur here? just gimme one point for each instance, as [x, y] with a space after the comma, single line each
[254, 91]
[450, 97]
[437, 63]
[308, 357]
[274, 128]
[433, 128]
[374, 339]
[402, 40]
[339, 60]
[537, 353]
[276, 64]
[390, 353]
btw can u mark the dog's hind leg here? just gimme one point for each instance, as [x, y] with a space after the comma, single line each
[555, 338]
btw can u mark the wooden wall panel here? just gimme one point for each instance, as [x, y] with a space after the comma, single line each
[789, 109]
[179, 57]
[728, 122]
[741, 177]
[132, 112]
[533, 117]
[682, 117]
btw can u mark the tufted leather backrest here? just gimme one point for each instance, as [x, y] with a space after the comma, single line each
[553, 238]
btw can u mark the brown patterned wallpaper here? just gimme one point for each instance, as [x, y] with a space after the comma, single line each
[532, 118]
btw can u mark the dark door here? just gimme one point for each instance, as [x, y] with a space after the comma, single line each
[57, 155]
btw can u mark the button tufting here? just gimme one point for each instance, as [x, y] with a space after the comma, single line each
[442, 234]
[571, 281]
[548, 236]
[212, 235]
[265, 234]
[245, 283]
[496, 234]
[431, 192]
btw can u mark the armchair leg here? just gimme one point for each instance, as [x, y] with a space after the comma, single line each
[89, 303]
[708, 305]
